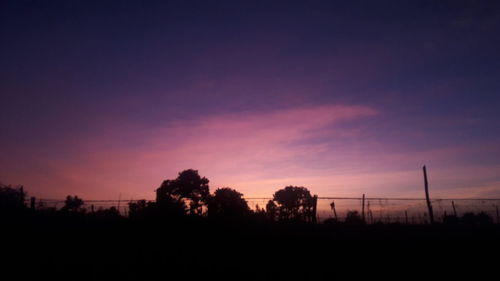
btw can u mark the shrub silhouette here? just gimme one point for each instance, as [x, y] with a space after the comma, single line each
[271, 210]
[137, 209]
[227, 203]
[108, 214]
[353, 218]
[451, 220]
[188, 191]
[72, 204]
[471, 219]
[294, 203]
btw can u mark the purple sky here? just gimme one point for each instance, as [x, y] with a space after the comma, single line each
[108, 98]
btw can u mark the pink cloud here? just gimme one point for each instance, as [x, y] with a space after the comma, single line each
[256, 153]
[223, 147]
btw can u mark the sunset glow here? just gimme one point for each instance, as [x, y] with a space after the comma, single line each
[116, 108]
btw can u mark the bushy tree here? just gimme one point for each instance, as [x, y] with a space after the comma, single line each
[227, 203]
[188, 190]
[294, 203]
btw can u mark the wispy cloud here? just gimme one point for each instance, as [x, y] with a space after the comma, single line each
[327, 148]
[246, 145]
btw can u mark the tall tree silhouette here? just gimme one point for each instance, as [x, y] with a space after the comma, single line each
[188, 190]
[294, 203]
[227, 203]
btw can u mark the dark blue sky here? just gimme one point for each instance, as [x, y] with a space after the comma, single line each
[80, 76]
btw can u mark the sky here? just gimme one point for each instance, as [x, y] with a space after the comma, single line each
[106, 99]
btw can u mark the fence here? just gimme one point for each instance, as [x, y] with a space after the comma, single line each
[386, 210]
[403, 210]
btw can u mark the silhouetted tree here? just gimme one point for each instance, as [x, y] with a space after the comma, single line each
[72, 204]
[12, 198]
[227, 203]
[188, 190]
[294, 203]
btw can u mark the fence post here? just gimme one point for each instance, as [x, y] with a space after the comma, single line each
[406, 216]
[454, 209]
[429, 206]
[363, 208]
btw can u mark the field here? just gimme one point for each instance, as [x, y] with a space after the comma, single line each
[83, 247]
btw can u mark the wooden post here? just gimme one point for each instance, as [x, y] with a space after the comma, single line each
[332, 205]
[429, 206]
[363, 208]
[92, 208]
[406, 216]
[315, 208]
[454, 209]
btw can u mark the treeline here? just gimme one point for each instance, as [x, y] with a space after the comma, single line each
[189, 195]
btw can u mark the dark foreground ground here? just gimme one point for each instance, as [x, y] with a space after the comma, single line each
[194, 249]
